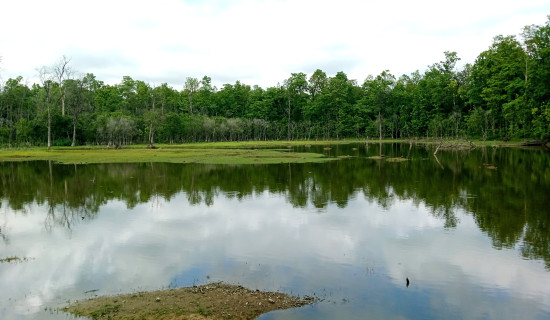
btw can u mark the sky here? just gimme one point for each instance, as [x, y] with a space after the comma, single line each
[258, 42]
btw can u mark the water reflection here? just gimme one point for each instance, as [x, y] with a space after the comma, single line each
[350, 231]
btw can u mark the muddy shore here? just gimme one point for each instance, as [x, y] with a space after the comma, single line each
[211, 301]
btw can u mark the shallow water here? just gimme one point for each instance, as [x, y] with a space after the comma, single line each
[473, 240]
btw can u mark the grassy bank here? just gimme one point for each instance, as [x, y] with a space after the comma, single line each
[187, 153]
[243, 152]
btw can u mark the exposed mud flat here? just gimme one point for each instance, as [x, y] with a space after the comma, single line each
[212, 301]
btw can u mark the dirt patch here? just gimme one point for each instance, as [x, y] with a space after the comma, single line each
[212, 301]
[396, 159]
[376, 157]
[489, 166]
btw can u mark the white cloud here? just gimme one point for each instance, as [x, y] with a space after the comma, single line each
[257, 42]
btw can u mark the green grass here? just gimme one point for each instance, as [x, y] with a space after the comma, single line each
[105, 310]
[203, 311]
[242, 152]
[214, 153]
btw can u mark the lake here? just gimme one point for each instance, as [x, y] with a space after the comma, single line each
[470, 229]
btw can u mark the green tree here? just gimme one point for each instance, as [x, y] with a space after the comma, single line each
[317, 83]
[23, 129]
[337, 98]
[171, 128]
[204, 97]
[537, 46]
[14, 102]
[127, 92]
[377, 98]
[107, 98]
[498, 85]
[191, 87]
[438, 98]
[296, 87]
[233, 100]
[78, 98]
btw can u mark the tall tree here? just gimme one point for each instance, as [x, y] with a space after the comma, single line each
[439, 94]
[152, 116]
[377, 97]
[191, 87]
[498, 86]
[536, 41]
[13, 102]
[46, 98]
[92, 85]
[317, 83]
[79, 97]
[204, 98]
[62, 71]
[127, 91]
[316, 111]
[296, 87]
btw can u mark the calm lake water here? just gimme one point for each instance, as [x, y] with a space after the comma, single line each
[469, 229]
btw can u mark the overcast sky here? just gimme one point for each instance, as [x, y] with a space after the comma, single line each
[257, 42]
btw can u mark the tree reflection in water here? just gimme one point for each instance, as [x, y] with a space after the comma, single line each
[506, 190]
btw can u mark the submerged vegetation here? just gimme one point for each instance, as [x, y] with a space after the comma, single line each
[504, 94]
[10, 259]
[14, 259]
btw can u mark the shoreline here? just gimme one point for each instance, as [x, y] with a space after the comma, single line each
[244, 152]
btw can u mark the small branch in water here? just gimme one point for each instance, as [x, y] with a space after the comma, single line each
[436, 159]
[437, 149]
[90, 291]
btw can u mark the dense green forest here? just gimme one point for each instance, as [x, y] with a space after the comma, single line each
[505, 94]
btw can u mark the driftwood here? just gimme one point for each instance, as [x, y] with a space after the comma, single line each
[437, 149]
[436, 159]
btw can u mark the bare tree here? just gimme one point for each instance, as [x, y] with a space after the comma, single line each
[62, 71]
[58, 72]
[46, 81]
[153, 118]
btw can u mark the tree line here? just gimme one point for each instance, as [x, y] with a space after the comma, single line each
[504, 94]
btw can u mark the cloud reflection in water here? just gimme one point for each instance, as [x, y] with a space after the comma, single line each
[356, 258]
